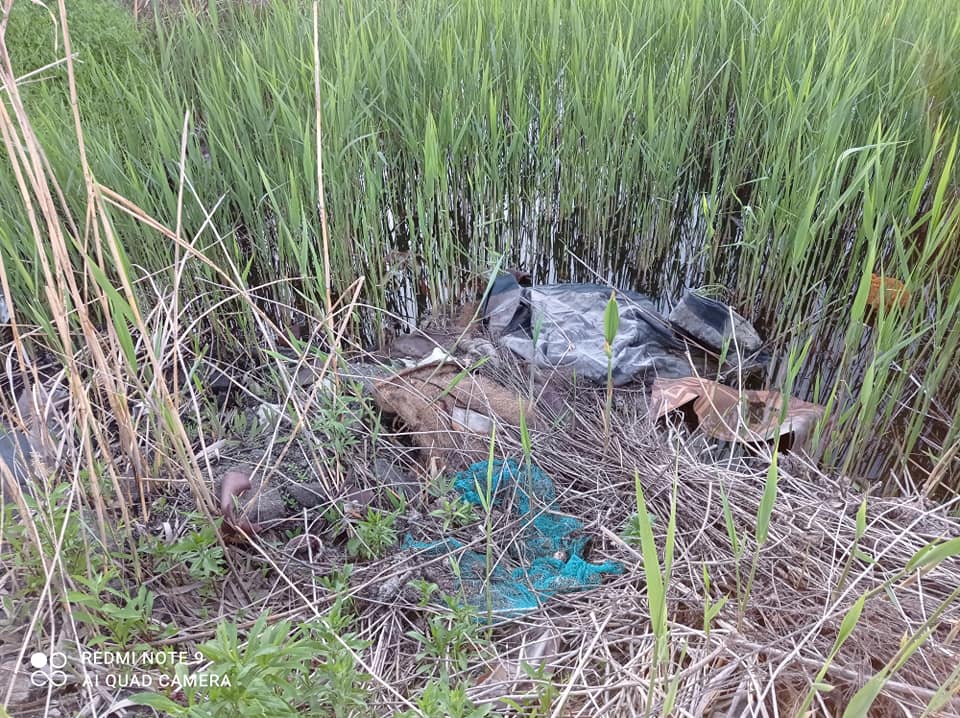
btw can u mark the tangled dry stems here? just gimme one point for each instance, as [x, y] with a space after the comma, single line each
[759, 654]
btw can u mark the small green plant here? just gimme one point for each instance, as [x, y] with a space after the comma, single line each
[855, 553]
[55, 521]
[764, 513]
[338, 581]
[486, 493]
[280, 670]
[441, 484]
[337, 414]
[611, 324]
[122, 623]
[633, 532]
[341, 614]
[425, 589]
[540, 702]
[710, 608]
[440, 699]
[737, 545]
[450, 639]
[371, 537]
[453, 513]
[657, 576]
[199, 552]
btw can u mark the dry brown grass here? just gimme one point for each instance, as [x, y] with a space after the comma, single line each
[758, 656]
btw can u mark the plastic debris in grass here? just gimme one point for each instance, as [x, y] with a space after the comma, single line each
[548, 554]
[562, 326]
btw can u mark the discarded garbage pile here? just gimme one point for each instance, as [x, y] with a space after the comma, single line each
[561, 326]
[447, 409]
[548, 552]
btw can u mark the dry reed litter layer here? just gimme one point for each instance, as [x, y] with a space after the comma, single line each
[765, 646]
[596, 653]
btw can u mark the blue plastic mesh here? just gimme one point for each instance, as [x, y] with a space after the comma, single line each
[547, 553]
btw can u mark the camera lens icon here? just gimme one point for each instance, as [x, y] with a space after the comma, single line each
[48, 669]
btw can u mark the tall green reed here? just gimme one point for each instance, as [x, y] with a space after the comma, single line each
[782, 152]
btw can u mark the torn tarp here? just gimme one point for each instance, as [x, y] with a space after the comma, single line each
[561, 325]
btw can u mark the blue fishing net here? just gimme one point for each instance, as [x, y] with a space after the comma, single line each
[546, 557]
